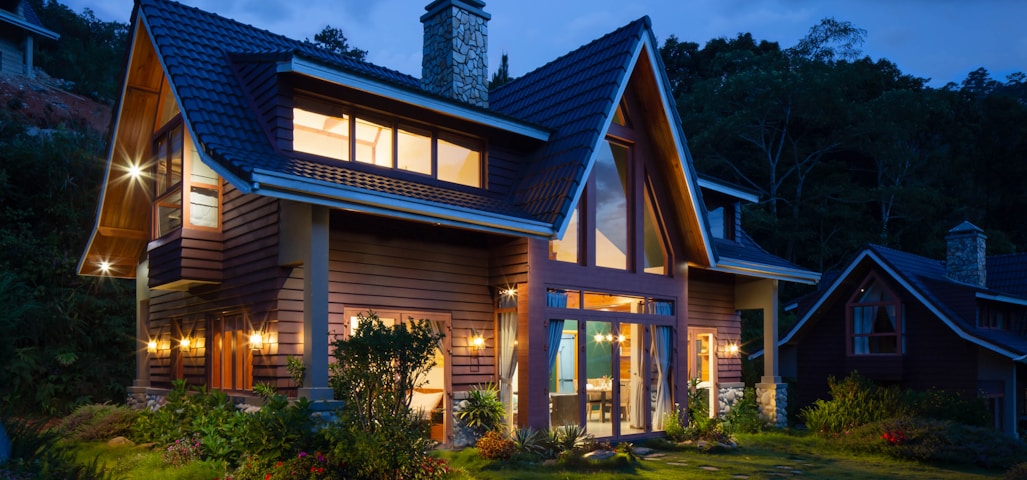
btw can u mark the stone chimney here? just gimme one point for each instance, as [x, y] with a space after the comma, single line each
[455, 62]
[965, 258]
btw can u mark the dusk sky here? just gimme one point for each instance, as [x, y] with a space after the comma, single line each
[938, 39]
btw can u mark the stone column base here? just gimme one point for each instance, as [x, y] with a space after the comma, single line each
[773, 403]
[728, 394]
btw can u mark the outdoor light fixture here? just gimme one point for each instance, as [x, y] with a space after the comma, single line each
[134, 171]
[105, 266]
[732, 349]
[477, 341]
[256, 341]
[509, 292]
[151, 346]
[185, 343]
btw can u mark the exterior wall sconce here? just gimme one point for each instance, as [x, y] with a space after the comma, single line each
[185, 343]
[256, 341]
[151, 346]
[731, 349]
[477, 341]
[509, 292]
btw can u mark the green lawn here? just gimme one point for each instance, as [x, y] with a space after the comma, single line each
[773, 455]
[766, 455]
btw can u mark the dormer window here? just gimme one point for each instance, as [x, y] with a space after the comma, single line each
[174, 154]
[323, 129]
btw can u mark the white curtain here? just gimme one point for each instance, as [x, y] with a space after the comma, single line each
[636, 413]
[862, 323]
[507, 355]
[661, 351]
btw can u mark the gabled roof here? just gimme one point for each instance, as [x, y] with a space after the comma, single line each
[25, 18]
[561, 111]
[953, 303]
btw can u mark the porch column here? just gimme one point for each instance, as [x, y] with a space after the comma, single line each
[315, 308]
[532, 357]
[771, 393]
[138, 389]
[30, 71]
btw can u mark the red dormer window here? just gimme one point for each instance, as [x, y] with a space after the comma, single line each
[875, 319]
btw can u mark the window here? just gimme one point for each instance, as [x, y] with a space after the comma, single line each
[324, 129]
[173, 155]
[617, 224]
[876, 326]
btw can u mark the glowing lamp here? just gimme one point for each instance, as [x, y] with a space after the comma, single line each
[256, 341]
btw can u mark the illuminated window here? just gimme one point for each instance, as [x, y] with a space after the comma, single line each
[173, 154]
[323, 129]
[875, 320]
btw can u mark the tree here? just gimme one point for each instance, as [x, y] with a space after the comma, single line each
[831, 40]
[334, 40]
[502, 74]
[89, 53]
[375, 373]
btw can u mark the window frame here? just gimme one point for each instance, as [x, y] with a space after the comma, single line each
[395, 124]
[183, 188]
[900, 318]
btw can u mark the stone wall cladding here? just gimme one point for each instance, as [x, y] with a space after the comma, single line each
[966, 257]
[728, 395]
[455, 56]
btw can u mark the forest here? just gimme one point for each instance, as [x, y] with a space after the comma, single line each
[841, 149]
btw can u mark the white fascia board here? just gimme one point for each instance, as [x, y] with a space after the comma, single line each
[684, 159]
[751, 269]
[21, 22]
[909, 288]
[1002, 298]
[333, 195]
[316, 70]
[728, 190]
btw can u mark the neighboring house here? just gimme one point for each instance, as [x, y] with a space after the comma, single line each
[958, 325]
[264, 192]
[19, 29]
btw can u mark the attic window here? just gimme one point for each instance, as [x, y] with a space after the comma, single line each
[336, 132]
[620, 116]
[876, 323]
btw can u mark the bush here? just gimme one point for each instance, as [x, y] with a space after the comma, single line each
[855, 401]
[529, 442]
[38, 452]
[182, 451]
[1017, 472]
[98, 422]
[482, 411]
[744, 416]
[494, 446]
[676, 430]
[930, 440]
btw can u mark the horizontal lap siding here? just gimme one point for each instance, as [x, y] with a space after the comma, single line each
[249, 286]
[407, 269]
[711, 304]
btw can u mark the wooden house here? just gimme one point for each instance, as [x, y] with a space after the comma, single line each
[958, 325]
[263, 193]
[20, 28]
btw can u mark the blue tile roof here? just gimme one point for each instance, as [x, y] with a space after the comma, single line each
[571, 96]
[955, 300]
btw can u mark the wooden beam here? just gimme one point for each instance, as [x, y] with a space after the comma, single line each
[123, 233]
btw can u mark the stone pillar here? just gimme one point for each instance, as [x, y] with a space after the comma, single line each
[773, 403]
[315, 308]
[455, 57]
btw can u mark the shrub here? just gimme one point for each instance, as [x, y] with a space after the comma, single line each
[98, 422]
[855, 401]
[529, 441]
[673, 426]
[482, 411]
[280, 429]
[1016, 472]
[744, 416]
[930, 440]
[494, 446]
[376, 370]
[182, 451]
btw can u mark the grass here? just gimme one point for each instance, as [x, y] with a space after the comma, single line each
[760, 456]
[765, 455]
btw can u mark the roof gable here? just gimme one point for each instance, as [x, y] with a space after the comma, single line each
[953, 303]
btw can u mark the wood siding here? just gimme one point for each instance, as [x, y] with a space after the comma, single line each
[935, 356]
[184, 257]
[386, 264]
[251, 279]
[711, 304]
[12, 54]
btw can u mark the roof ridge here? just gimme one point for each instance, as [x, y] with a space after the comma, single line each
[641, 20]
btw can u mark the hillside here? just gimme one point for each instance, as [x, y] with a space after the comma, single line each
[42, 103]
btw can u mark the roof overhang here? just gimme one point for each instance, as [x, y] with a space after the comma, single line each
[278, 185]
[868, 255]
[20, 22]
[1002, 298]
[317, 70]
[729, 190]
[760, 270]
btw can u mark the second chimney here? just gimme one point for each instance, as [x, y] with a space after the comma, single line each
[966, 256]
[455, 61]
